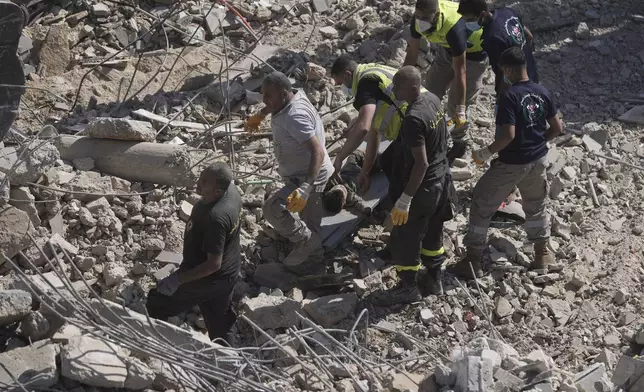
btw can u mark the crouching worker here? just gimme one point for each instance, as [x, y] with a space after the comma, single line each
[303, 164]
[424, 205]
[211, 257]
[525, 111]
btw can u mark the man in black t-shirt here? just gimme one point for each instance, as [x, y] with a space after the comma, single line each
[211, 257]
[525, 111]
[424, 204]
[501, 30]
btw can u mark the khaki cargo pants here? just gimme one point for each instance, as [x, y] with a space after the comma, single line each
[441, 74]
[495, 185]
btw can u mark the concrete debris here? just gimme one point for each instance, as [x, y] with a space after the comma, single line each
[329, 310]
[93, 362]
[121, 129]
[34, 364]
[135, 143]
[271, 312]
[34, 326]
[14, 306]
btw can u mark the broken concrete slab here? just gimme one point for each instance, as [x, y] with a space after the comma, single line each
[473, 374]
[14, 306]
[54, 54]
[633, 116]
[593, 379]
[121, 129]
[271, 312]
[158, 163]
[330, 309]
[14, 227]
[167, 257]
[34, 366]
[93, 362]
[30, 160]
[627, 372]
[23, 200]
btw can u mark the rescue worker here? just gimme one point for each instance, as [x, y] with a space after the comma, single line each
[500, 30]
[211, 257]
[303, 164]
[460, 59]
[424, 204]
[525, 111]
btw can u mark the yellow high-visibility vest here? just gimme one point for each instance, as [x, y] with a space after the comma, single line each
[446, 20]
[388, 118]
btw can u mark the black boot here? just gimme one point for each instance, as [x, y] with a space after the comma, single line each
[457, 151]
[432, 280]
[406, 292]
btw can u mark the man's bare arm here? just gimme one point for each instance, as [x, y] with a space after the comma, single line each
[317, 158]
[358, 132]
[460, 77]
[209, 267]
[504, 139]
[418, 170]
[555, 128]
[413, 49]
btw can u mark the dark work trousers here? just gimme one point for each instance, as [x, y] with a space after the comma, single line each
[214, 297]
[421, 238]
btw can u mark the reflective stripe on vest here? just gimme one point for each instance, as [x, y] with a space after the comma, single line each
[446, 20]
[388, 118]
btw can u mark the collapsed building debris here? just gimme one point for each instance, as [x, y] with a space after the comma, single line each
[88, 224]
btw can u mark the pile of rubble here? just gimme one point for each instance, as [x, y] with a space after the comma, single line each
[87, 229]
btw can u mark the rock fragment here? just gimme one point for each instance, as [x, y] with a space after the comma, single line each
[93, 362]
[121, 129]
[271, 312]
[329, 310]
[14, 306]
[34, 364]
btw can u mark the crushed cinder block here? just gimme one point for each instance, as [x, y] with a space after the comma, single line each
[593, 379]
[121, 129]
[93, 362]
[14, 306]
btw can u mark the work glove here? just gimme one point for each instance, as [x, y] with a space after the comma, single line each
[168, 286]
[400, 213]
[461, 116]
[253, 122]
[481, 156]
[296, 201]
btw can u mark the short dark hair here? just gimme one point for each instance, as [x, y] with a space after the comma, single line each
[427, 5]
[220, 173]
[513, 57]
[277, 79]
[333, 201]
[342, 64]
[472, 7]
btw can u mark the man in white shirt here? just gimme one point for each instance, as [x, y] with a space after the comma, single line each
[304, 165]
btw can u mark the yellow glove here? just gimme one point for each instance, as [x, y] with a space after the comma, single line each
[296, 201]
[252, 124]
[481, 156]
[400, 213]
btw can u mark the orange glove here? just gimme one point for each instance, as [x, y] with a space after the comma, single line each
[252, 124]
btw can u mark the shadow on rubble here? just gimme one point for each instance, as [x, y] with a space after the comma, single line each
[591, 67]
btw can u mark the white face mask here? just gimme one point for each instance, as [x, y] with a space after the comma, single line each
[347, 91]
[422, 26]
[472, 26]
